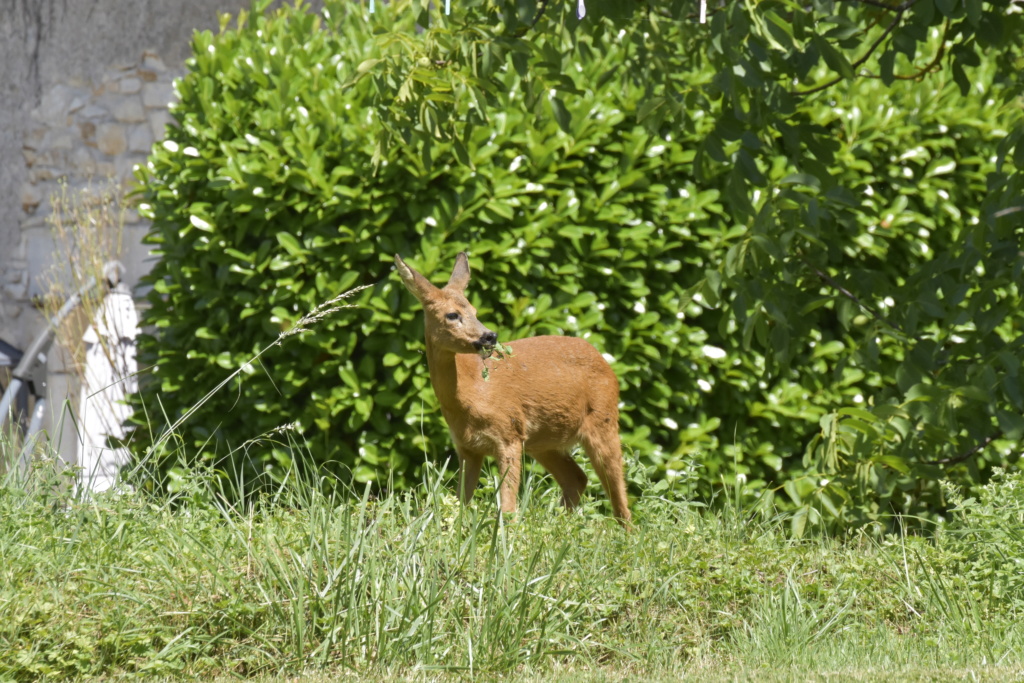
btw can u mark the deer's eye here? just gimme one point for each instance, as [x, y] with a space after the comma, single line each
[453, 316]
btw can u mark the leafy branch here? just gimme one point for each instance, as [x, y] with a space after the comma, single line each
[967, 454]
[899, 10]
[541, 9]
[932, 66]
[902, 7]
[834, 284]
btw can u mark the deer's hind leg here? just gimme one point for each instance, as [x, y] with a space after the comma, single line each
[600, 437]
[571, 479]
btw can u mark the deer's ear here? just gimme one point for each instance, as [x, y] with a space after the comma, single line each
[414, 282]
[460, 274]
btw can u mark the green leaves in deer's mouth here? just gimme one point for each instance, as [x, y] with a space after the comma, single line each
[502, 352]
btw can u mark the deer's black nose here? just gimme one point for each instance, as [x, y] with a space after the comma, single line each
[489, 339]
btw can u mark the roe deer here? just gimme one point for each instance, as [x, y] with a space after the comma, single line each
[548, 395]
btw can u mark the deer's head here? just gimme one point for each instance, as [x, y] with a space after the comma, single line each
[450, 320]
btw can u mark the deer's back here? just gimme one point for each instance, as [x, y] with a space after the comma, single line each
[542, 393]
[549, 363]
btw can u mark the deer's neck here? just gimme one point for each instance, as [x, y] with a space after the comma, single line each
[444, 376]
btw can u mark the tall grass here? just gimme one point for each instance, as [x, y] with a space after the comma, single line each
[415, 585]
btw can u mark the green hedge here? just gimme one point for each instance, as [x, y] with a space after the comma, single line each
[271, 197]
[292, 177]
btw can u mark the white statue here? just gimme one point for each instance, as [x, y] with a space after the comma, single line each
[110, 367]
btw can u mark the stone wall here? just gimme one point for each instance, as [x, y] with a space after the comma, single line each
[84, 90]
[83, 137]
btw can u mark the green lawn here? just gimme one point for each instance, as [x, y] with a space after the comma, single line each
[412, 586]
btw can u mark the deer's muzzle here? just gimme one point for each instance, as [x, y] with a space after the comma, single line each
[485, 344]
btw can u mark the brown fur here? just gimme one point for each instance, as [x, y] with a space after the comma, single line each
[549, 395]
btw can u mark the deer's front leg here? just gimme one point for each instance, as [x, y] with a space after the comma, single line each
[469, 475]
[510, 462]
